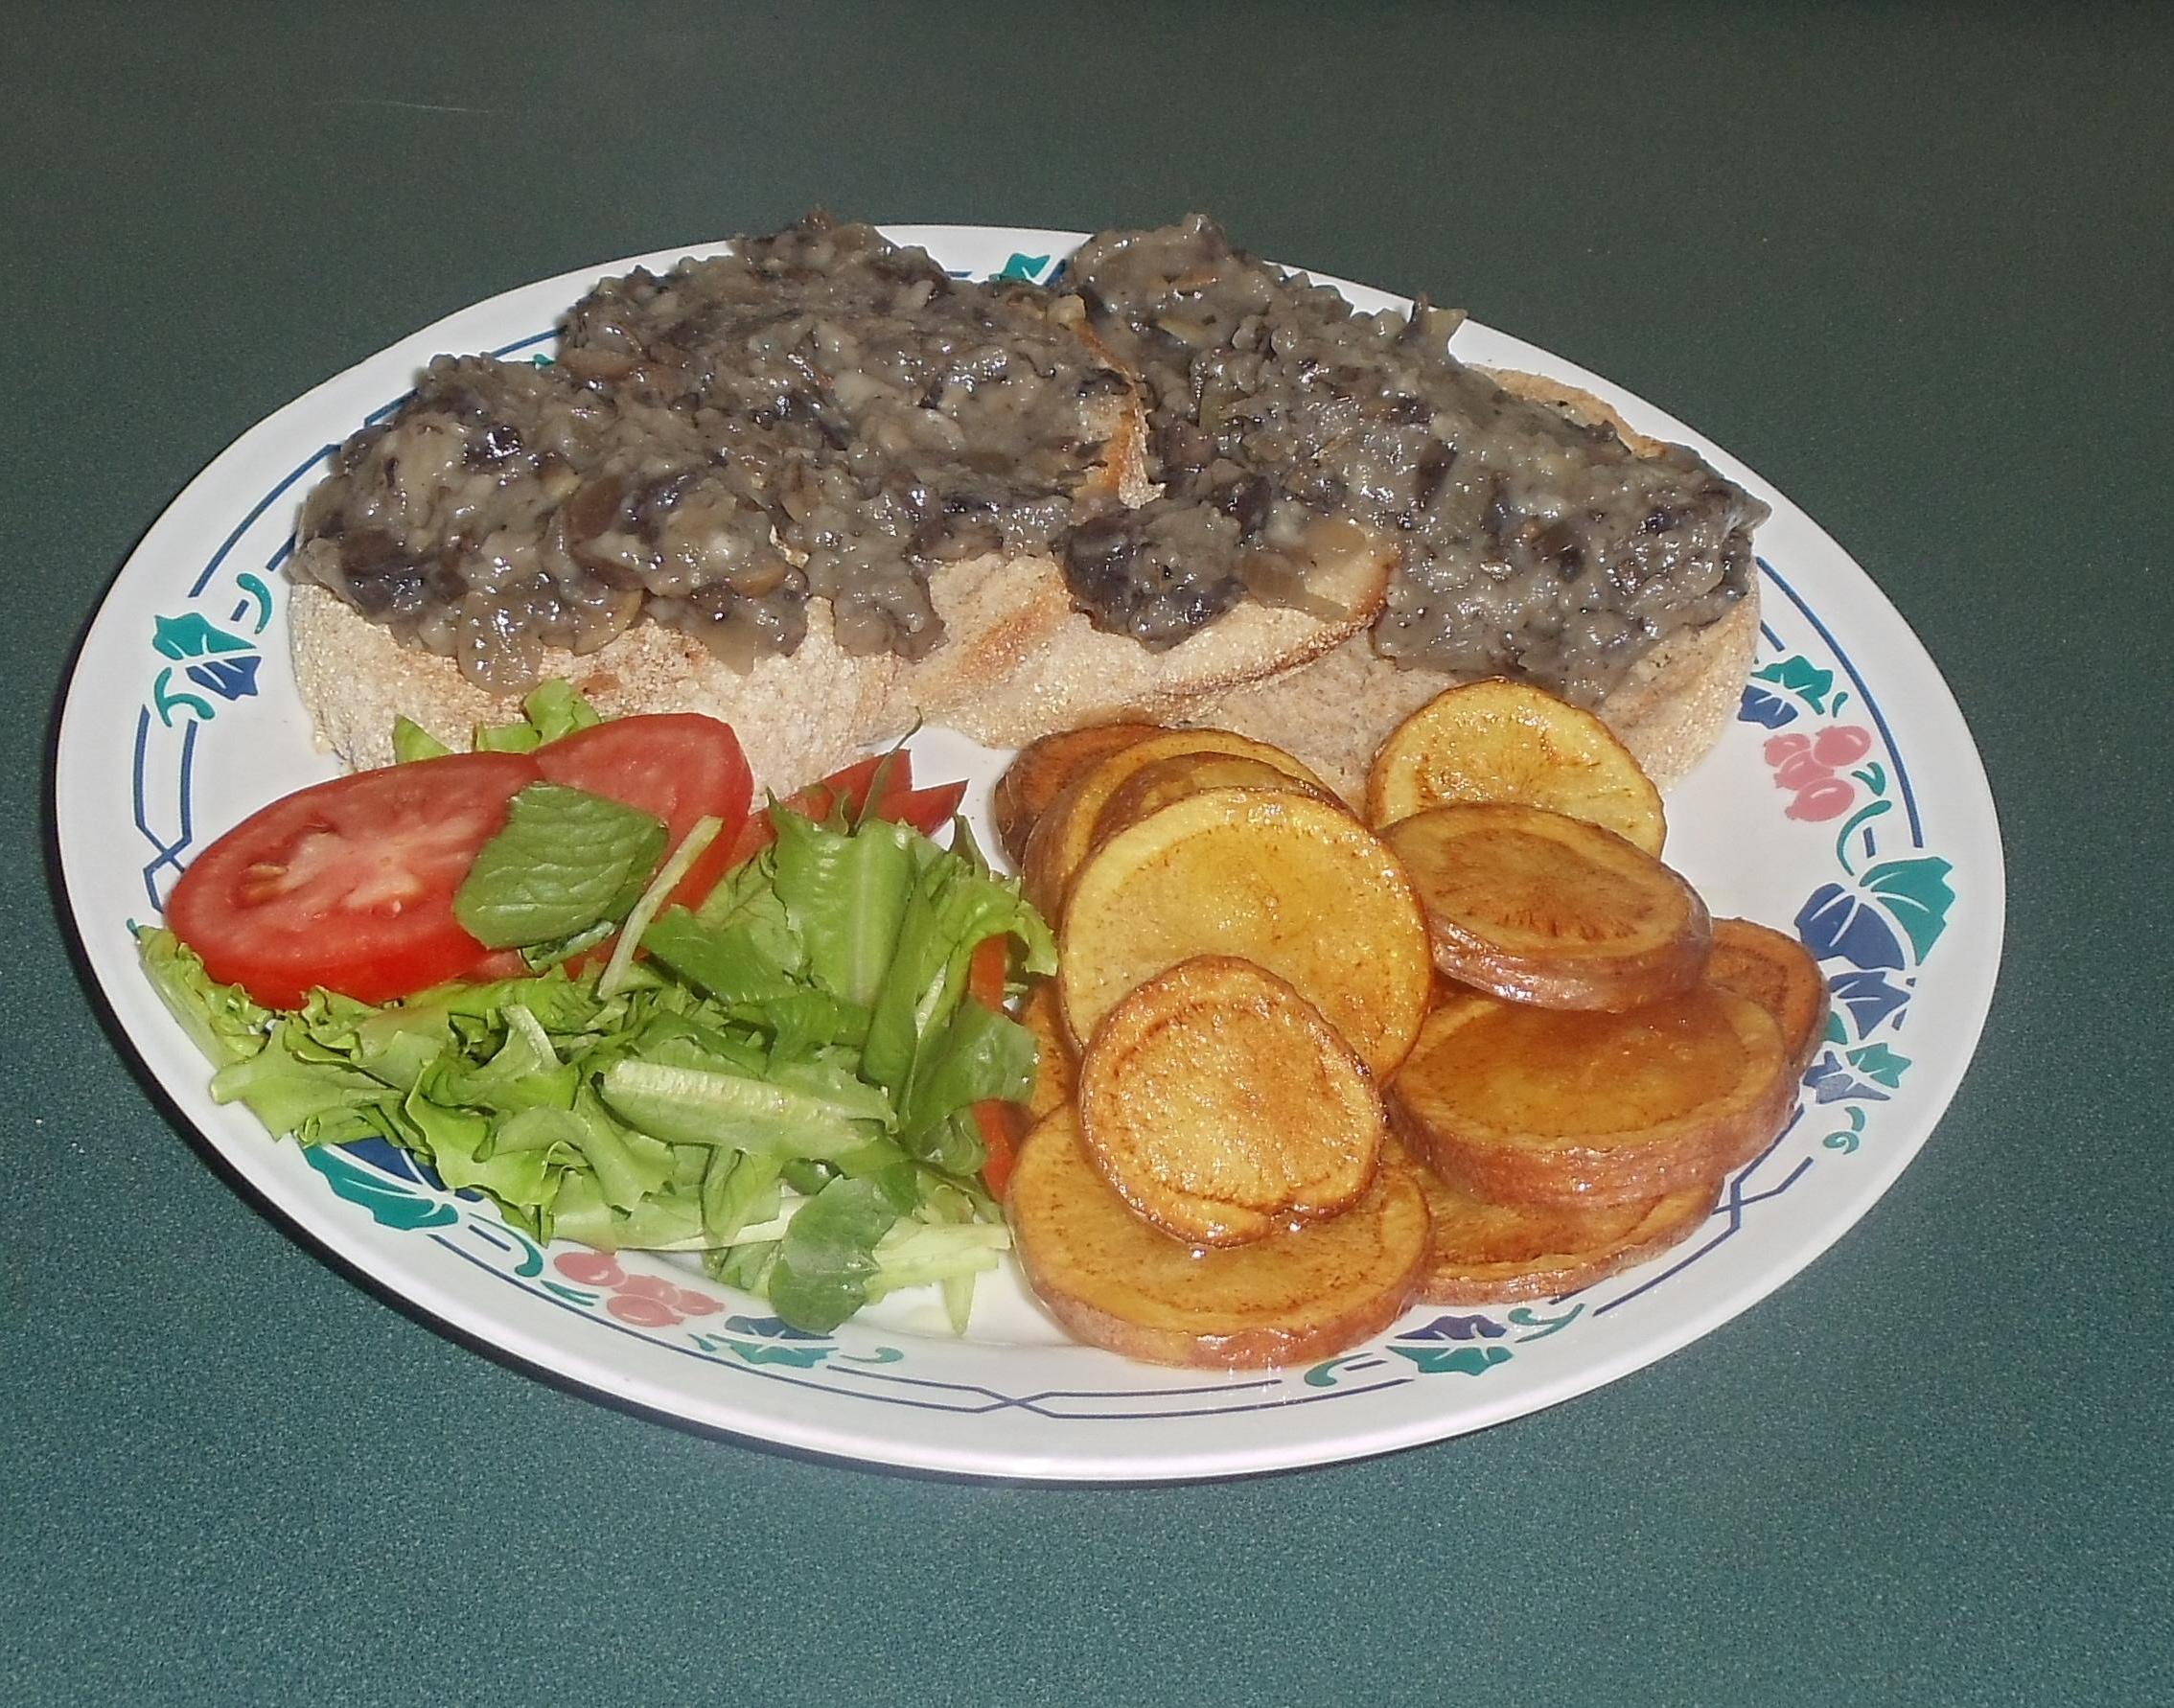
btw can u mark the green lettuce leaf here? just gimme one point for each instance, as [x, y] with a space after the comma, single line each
[848, 896]
[555, 709]
[461, 1146]
[977, 1054]
[739, 1188]
[565, 860]
[729, 962]
[293, 1086]
[411, 742]
[220, 1019]
[524, 1073]
[691, 1106]
[827, 1257]
[953, 910]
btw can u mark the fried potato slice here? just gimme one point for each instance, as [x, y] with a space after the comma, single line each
[1535, 906]
[1509, 741]
[1066, 831]
[1154, 787]
[1056, 1072]
[1778, 973]
[1552, 1106]
[1223, 1107]
[1043, 769]
[1283, 881]
[1488, 1253]
[1116, 1281]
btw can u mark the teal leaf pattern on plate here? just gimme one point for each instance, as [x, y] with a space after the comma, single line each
[1800, 677]
[1916, 895]
[1453, 1360]
[390, 1204]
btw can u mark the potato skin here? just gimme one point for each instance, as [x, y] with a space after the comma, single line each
[1045, 768]
[1552, 1107]
[1056, 1070]
[1487, 1253]
[1778, 973]
[1118, 1284]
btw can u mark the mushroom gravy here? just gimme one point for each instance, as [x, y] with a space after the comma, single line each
[824, 414]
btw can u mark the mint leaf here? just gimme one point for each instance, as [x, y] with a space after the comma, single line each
[564, 860]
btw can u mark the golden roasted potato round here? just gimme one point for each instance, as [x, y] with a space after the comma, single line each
[1535, 907]
[1488, 1253]
[1223, 1107]
[1778, 973]
[1118, 1283]
[1066, 831]
[1557, 1107]
[1507, 741]
[1057, 1073]
[1154, 787]
[1283, 881]
[1043, 769]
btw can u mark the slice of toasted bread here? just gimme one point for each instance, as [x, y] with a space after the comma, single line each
[1017, 660]
[1671, 706]
[798, 718]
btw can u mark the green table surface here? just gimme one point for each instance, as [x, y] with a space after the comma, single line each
[1916, 267]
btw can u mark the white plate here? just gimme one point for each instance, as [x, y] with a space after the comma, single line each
[182, 716]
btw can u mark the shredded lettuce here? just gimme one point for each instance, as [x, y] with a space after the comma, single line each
[553, 709]
[804, 1030]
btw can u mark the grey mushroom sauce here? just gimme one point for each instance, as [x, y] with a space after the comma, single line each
[826, 414]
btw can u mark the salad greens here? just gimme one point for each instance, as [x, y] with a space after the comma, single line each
[784, 1082]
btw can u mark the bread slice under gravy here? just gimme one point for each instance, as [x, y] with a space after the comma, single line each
[1019, 661]
[1669, 710]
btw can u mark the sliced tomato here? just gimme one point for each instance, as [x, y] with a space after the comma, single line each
[1001, 1128]
[892, 772]
[851, 786]
[985, 970]
[926, 810]
[349, 884]
[497, 965]
[680, 766]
